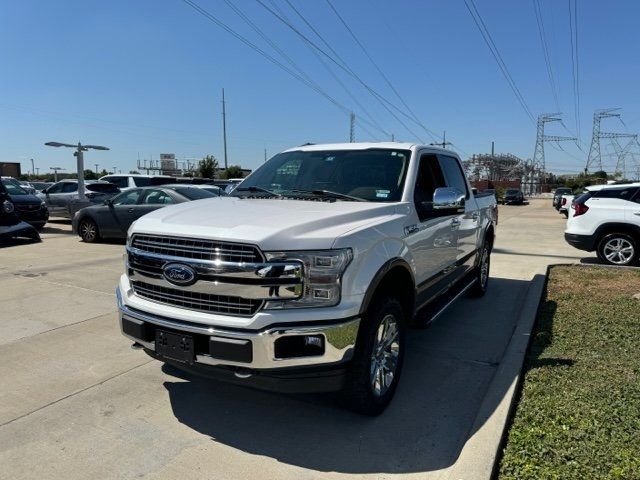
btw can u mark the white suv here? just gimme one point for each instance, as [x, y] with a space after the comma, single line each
[606, 218]
[135, 180]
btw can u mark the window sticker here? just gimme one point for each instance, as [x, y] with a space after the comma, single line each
[382, 193]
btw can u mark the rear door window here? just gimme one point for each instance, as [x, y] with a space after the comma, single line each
[453, 174]
[102, 187]
[120, 182]
[157, 197]
[68, 188]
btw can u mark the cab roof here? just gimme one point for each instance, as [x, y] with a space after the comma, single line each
[366, 146]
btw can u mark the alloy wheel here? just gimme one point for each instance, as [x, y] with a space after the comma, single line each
[88, 231]
[618, 251]
[384, 357]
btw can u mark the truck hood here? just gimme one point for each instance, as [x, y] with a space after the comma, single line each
[272, 224]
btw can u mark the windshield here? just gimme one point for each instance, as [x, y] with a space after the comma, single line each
[13, 189]
[512, 192]
[375, 175]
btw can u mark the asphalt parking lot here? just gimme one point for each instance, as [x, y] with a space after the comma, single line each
[77, 402]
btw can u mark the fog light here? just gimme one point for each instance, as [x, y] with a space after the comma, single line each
[323, 293]
[295, 346]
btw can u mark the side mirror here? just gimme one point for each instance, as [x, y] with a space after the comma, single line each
[45, 190]
[108, 202]
[448, 199]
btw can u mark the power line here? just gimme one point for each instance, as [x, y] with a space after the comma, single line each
[380, 98]
[382, 74]
[486, 36]
[269, 57]
[573, 29]
[545, 51]
[335, 77]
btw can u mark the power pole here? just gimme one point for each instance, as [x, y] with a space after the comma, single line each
[224, 130]
[393, 137]
[37, 171]
[265, 154]
[444, 142]
[352, 126]
[538, 160]
[594, 157]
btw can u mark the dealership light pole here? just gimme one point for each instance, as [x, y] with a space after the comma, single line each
[79, 154]
[55, 172]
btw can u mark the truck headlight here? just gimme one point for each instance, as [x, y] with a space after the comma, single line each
[323, 271]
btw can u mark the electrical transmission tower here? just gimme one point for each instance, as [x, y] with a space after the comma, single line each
[538, 163]
[622, 153]
[595, 158]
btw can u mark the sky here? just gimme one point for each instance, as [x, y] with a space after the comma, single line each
[145, 77]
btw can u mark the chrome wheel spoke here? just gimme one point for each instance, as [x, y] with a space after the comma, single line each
[384, 355]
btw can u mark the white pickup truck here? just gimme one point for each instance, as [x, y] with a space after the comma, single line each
[306, 278]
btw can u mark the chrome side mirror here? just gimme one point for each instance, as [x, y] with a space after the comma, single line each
[448, 199]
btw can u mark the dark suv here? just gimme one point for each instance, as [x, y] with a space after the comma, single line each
[513, 196]
[10, 224]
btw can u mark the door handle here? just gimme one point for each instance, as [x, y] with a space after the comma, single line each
[636, 213]
[130, 210]
[475, 216]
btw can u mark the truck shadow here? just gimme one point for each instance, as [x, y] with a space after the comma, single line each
[448, 369]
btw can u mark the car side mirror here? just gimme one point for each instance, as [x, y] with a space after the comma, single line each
[108, 202]
[45, 191]
[448, 199]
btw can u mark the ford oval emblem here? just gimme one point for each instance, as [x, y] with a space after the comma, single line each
[179, 274]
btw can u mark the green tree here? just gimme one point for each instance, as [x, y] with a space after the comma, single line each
[103, 173]
[234, 171]
[207, 166]
[90, 175]
[134, 172]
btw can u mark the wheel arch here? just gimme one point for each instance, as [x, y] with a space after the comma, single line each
[616, 227]
[394, 276]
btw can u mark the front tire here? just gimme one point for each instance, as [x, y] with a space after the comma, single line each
[88, 230]
[481, 272]
[619, 249]
[378, 358]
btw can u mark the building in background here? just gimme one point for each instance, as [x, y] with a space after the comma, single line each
[10, 169]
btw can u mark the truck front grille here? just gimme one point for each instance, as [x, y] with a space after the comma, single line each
[202, 302]
[197, 249]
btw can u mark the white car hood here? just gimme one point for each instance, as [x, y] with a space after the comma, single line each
[272, 224]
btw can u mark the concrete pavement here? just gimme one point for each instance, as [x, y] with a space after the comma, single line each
[77, 402]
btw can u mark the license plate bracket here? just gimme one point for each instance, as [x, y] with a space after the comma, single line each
[175, 346]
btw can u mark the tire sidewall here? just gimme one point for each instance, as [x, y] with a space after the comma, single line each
[360, 375]
[95, 225]
[625, 236]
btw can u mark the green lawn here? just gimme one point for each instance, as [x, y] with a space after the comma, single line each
[578, 414]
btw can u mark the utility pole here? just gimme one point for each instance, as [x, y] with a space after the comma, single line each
[352, 126]
[444, 142]
[224, 130]
[114, 169]
[265, 154]
[37, 171]
[594, 157]
[393, 137]
[538, 153]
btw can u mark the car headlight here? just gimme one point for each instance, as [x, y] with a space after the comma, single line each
[7, 206]
[322, 275]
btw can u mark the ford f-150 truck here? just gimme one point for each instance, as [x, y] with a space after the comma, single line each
[307, 276]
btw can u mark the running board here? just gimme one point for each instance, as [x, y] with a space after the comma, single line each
[440, 305]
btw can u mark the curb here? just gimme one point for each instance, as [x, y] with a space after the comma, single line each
[479, 457]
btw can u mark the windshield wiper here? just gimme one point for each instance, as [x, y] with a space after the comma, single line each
[329, 193]
[257, 189]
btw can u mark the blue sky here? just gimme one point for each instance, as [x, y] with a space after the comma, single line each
[144, 77]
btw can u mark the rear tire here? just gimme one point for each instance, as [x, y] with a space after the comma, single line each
[88, 230]
[481, 272]
[619, 249]
[377, 362]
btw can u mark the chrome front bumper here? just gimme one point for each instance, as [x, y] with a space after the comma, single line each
[339, 339]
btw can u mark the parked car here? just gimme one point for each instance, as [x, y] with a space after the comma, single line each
[564, 206]
[557, 196]
[134, 180]
[62, 197]
[28, 207]
[513, 196]
[607, 219]
[24, 185]
[305, 278]
[115, 216]
[10, 225]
